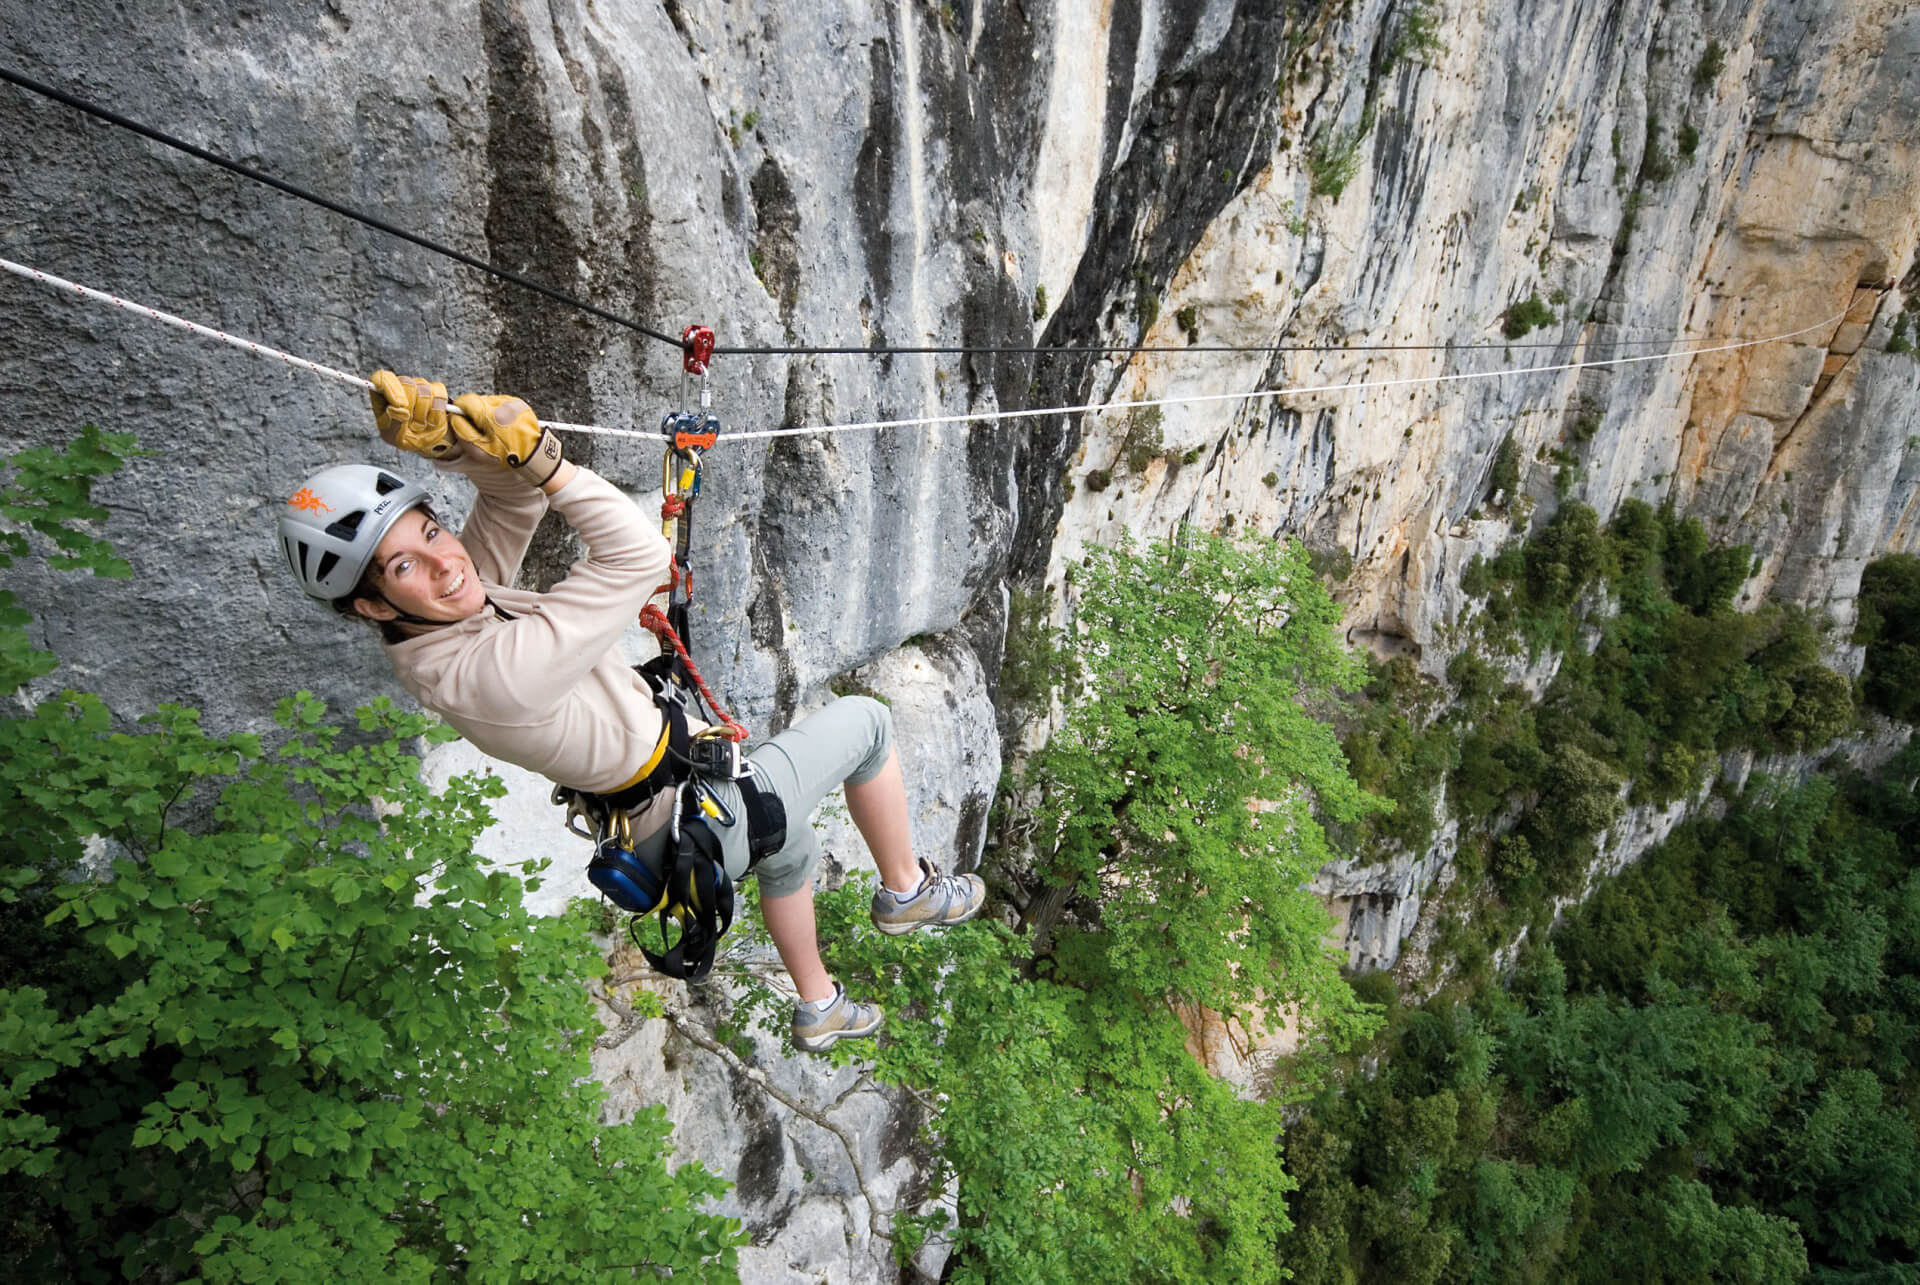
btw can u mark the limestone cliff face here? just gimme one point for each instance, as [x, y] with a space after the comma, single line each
[976, 174]
[1661, 178]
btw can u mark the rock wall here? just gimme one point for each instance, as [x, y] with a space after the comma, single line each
[1182, 175]
[1661, 179]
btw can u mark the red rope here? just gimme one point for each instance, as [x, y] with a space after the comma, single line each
[655, 619]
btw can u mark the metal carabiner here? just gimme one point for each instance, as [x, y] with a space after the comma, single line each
[576, 812]
[679, 801]
[713, 805]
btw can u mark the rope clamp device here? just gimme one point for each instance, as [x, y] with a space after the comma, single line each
[689, 432]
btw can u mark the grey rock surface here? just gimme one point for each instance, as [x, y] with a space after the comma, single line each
[861, 173]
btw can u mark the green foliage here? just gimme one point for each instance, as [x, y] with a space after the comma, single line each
[50, 494]
[1333, 158]
[1898, 342]
[264, 1016]
[1184, 793]
[1331, 565]
[1034, 656]
[1713, 61]
[1709, 1076]
[1172, 823]
[1039, 303]
[1586, 418]
[1418, 39]
[1889, 626]
[1655, 165]
[1688, 141]
[1567, 558]
[1657, 676]
[1524, 316]
[1144, 441]
[1395, 748]
[1146, 301]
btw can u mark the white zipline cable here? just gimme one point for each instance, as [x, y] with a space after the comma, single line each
[167, 318]
[1259, 393]
[978, 417]
[247, 345]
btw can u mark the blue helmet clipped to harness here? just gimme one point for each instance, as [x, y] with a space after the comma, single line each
[622, 877]
[692, 891]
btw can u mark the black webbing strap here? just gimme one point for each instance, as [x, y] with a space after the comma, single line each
[671, 700]
[766, 818]
[699, 897]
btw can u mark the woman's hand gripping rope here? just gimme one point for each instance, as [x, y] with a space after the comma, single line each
[411, 414]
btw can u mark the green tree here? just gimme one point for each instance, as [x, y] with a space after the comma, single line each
[266, 1017]
[1172, 822]
[1890, 627]
[1675, 1232]
[1178, 807]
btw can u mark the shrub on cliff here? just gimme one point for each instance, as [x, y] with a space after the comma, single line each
[1525, 316]
[249, 1046]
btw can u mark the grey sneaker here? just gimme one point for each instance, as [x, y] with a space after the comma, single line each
[816, 1030]
[942, 900]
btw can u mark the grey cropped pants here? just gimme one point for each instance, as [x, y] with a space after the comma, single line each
[846, 743]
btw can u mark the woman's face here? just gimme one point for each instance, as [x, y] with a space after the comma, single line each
[423, 570]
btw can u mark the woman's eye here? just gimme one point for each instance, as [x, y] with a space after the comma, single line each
[401, 567]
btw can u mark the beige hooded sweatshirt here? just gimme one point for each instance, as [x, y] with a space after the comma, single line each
[548, 689]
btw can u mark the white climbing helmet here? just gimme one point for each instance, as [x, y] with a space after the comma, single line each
[332, 525]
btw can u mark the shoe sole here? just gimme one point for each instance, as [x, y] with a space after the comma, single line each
[897, 930]
[821, 1043]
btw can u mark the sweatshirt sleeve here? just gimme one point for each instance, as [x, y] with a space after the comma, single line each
[504, 516]
[527, 665]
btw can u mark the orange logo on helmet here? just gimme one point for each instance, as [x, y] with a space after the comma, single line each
[307, 501]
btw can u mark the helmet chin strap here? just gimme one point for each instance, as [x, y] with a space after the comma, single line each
[408, 618]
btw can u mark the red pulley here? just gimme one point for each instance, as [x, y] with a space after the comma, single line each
[696, 344]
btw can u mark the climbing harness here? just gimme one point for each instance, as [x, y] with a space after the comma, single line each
[691, 889]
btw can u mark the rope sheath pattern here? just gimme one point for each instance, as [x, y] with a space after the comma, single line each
[976, 417]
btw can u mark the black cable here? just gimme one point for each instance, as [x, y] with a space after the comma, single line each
[1084, 349]
[114, 118]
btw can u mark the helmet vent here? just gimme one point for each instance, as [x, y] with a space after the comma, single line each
[387, 483]
[326, 564]
[347, 525]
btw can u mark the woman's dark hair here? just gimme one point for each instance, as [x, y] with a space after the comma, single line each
[390, 631]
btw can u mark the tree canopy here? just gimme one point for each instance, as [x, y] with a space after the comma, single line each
[264, 1016]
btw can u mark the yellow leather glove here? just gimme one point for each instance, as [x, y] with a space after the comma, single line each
[505, 428]
[411, 414]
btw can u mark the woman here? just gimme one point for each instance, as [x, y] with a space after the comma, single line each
[537, 678]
